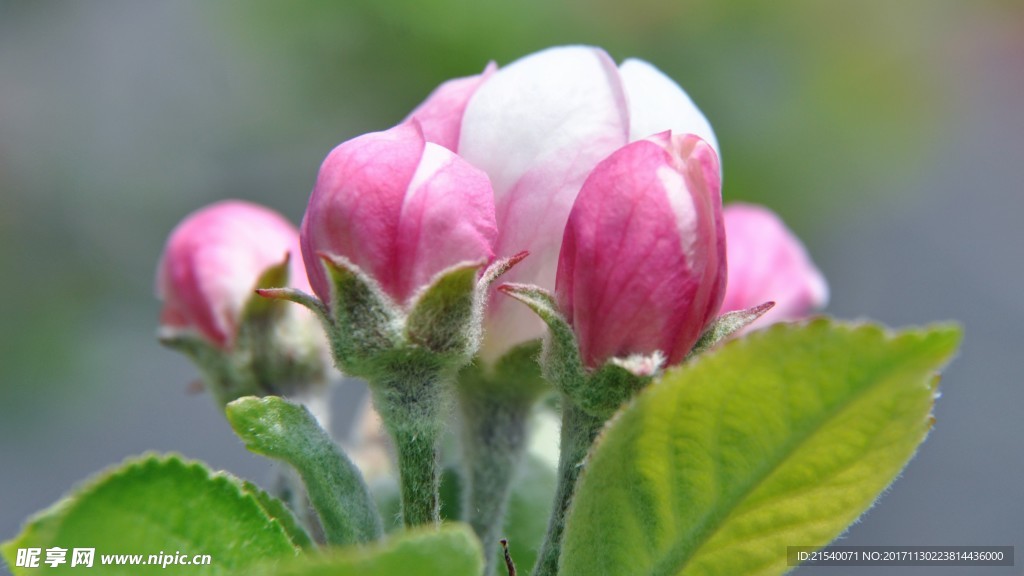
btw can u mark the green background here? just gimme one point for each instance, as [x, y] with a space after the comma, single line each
[888, 134]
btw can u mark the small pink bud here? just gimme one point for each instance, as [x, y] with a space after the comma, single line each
[642, 266]
[767, 262]
[399, 208]
[212, 261]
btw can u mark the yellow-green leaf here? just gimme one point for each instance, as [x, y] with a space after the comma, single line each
[782, 438]
[159, 507]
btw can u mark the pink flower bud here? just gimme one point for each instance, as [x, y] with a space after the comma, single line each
[538, 127]
[212, 261]
[767, 262]
[642, 267]
[399, 208]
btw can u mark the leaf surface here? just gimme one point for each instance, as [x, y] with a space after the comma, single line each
[451, 551]
[159, 505]
[782, 438]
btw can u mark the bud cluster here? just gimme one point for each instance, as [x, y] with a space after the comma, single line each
[593, 189]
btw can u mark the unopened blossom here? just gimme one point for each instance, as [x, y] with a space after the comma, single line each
[642, 268]
[212, 261]
[399, 208]
[767, 262]
[538, 127]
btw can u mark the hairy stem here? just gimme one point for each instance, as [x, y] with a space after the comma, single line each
[578, 432]
[420, 478]
[412, 392]
[493, 441]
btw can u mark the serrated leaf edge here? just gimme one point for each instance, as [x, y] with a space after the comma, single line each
[134, 464]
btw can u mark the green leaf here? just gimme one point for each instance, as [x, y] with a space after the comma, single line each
[451, 551]
[155, 505]
[277, 428]
[277, 510]
[783, 438]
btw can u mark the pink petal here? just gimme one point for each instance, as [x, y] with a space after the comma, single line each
[400, 209]
[440, 115]
[447, 219]
[767, 262]
[642, 263]
[355, 206]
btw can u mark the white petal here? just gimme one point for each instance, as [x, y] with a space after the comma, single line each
[538, 127]
[556, 100]
[657, 103]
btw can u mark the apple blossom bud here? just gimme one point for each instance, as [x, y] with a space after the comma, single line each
[400, 209]
[211, 264]
[642, 268]
[767, 262]
[538, 126]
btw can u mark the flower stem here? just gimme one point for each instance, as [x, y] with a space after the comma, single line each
[496, 401]
[420, 478]
[493, 441]
[412, 392]
[578, 432]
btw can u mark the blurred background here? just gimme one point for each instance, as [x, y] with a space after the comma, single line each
[890, 135]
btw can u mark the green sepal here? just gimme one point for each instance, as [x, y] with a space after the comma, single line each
[311, 303]
[445, 317]
[153, 504]
[283, 354]
[364, 320]
[560, 357]
[452, 550]
[614, 384]
[726, 325]
[279, 429]
[410, 359]
[600, 393]
[498, 268]
[258, 308]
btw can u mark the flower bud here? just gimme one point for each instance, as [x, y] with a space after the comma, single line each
[767, 262]
[243, 344]
[642, 268]
[211, 264]
[400, 209]
[538, 127]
